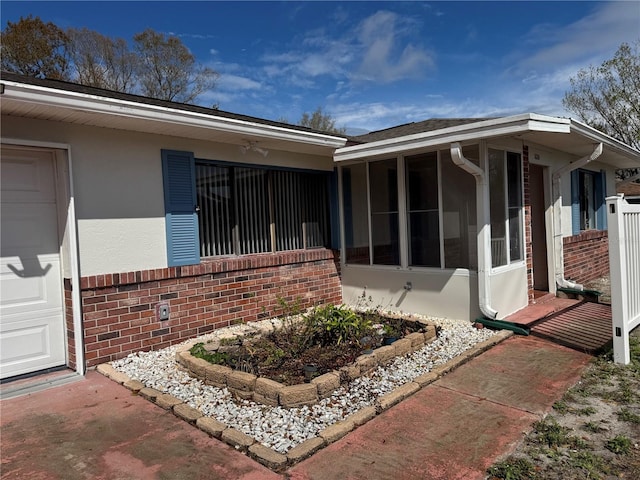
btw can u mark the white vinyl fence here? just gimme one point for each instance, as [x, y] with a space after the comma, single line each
[624, 266]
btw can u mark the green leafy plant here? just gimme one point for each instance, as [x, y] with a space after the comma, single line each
[627, 415]
[513, 469]
[199, 351]
[551, 433]
[592, 427]
[561, 407]
[619, 444]
[586, 411]
[591, 463]
[341, 324]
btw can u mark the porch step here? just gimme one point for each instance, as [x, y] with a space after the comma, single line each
[543, 308]
[586, 327]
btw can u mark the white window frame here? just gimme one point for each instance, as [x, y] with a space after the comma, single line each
[517, 263]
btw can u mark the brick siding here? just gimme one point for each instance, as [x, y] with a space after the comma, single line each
[119, 310]
[528, 234]
[586, 256]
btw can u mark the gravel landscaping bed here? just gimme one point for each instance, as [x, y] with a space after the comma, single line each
[282, 429]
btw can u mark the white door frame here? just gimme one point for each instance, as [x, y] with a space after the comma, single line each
[64, 185]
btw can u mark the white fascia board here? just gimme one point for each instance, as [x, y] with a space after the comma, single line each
[513, 125]
[599, 137]
[153, 113]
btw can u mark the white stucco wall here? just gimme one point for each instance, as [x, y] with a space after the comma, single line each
[509, 290]
[555, 159]
[439, 293]
[117, 182]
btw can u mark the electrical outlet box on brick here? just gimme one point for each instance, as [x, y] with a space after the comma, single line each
[162, 311]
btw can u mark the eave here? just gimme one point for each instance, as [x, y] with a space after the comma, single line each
[35, 101]
[559, 133]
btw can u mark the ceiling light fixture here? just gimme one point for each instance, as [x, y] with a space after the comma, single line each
[253, 146]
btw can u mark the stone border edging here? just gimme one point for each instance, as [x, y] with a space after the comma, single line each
[267, 456]
[263, 390]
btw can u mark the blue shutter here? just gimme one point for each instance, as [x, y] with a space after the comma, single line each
[333, 209]
[178, 170]
[601, 205]
[575, 202]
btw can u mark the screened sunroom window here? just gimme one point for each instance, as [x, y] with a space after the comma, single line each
[459, 213]
[423, 209]
[356, 214]
[505, 185]
[245, 210]
[436, 198]
[383, 181]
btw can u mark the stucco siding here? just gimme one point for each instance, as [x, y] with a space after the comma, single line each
[509, 290]
[437, 293]
[118, 187]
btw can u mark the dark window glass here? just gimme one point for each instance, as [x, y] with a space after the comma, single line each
[246, 210]
[383, 180]
[356, 214]
[422, 210]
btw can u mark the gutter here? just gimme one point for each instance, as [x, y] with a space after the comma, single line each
[90, 105]
[484, 240]
[556, 176]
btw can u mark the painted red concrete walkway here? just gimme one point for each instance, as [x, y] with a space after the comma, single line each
[452, 429]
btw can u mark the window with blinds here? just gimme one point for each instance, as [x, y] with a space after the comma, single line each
[244, 210]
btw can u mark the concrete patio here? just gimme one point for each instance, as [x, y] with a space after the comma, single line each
[453, 428]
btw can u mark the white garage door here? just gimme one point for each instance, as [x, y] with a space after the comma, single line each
[31, 296]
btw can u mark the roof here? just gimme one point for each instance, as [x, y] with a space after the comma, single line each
[56, 100]
[187, 107]
[631, 189]
[68, 102]
[558, 133]
[413, 128]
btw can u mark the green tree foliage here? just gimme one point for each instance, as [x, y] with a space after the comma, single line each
[321, 121]
[34, 48]
[607, 97]
[168, 70]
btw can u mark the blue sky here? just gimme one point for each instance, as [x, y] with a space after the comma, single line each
[372, 65]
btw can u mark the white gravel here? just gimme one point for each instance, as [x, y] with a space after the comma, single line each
[279, 428]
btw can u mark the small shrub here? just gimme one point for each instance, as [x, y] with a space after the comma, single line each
[337, 324]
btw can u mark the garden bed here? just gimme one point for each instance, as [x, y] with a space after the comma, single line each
[308, 373]
[295, 433]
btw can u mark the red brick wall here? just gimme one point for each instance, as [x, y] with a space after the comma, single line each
[119, 310]
[528, 250]
[586, 256]
[68, 316]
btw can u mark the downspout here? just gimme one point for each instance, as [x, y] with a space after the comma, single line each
[483, 220]
[562, 282]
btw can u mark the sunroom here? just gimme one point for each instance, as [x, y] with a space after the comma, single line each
[437, 216]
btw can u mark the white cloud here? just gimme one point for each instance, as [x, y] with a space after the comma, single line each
[592, 38]
[376, 50]
[232, 83]
[383, 60]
